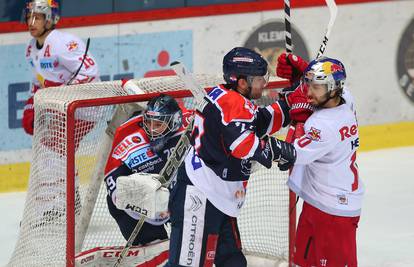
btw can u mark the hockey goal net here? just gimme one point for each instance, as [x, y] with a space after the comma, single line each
[65, 210]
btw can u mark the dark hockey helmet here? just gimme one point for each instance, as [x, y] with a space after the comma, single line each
[326, 71]
[243, 62]
[162, 118]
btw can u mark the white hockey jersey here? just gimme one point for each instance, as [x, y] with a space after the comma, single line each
[325, 174]
[58, 59]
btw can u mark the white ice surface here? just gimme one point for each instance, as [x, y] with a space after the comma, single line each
[386, 230]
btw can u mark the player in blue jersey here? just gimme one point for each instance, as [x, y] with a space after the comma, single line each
[230, 132]
[143, 144]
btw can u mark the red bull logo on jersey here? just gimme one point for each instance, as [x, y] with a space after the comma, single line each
[314, 134]
[72, 46]
[329, 67]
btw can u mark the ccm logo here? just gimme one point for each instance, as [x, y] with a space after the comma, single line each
[137, 209]
[347, 132]
[115, 254]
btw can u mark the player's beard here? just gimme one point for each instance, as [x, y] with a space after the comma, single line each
[320, 101]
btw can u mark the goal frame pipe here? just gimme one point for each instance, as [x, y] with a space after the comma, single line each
[70, 150]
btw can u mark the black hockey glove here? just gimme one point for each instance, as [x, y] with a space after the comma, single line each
[283, 153]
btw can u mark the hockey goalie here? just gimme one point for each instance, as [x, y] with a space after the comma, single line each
[142, 144]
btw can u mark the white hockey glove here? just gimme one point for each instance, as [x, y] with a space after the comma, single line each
[142, 193]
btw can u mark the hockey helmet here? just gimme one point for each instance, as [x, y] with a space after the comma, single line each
[326, 71]
[50, 8]
[162, 118]
[243, 62]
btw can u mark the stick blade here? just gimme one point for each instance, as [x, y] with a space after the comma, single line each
[189, 81]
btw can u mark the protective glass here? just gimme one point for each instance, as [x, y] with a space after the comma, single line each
[32, 17]
[258, 81]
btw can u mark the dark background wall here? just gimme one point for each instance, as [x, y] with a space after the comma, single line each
[11, 10]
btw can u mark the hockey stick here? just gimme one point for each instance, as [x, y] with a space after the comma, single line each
[333, 11]
[288, 31]
[179, 152]
[81, 65]
[297, 129]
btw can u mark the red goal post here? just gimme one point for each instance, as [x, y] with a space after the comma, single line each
[65, 210]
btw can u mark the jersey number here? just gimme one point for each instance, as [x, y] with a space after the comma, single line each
[168, 151]
[304, 141]
[88, 62]
[199, 125]
[354, 169]
[111, 184]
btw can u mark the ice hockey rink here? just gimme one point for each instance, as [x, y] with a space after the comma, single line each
[386, 230]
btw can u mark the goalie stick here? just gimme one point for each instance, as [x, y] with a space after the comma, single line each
[180, 150]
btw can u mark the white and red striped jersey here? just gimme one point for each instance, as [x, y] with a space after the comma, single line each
[325, 174]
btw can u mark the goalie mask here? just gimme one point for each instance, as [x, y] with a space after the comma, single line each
[244, 63]
[162, 118]
[50, 8]
[326, 71]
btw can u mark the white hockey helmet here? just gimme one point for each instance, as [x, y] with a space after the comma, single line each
[50, 8]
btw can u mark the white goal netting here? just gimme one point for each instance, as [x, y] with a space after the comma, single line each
[65, 211]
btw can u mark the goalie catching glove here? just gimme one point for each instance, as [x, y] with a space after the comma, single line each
[142, 193]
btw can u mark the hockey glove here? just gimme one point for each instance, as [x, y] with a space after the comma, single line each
[290, 67]
[28, 116]
[300, 109]
[283, 153]
[142, 193]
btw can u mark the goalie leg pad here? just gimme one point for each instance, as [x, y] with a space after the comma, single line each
[142, 193]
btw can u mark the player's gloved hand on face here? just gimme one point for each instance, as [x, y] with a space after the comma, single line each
[300, 109]
[283, 153]
[290, 67]
[28, 116]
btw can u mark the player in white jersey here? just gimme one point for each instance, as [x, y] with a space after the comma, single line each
[325, 174]
[54, 56]
[56, 59]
